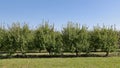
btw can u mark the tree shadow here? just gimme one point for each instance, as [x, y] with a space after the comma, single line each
[51, 56]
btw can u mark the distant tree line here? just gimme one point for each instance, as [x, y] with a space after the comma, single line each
[73, 38]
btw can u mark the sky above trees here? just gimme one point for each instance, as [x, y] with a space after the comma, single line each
[59, 12]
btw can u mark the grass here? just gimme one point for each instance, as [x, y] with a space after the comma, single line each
[88, 62]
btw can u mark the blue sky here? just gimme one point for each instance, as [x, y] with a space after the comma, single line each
[59, 12]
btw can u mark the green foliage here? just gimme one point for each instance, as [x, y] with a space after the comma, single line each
[70, 37]
[16, 38]
[13, 38]
[104, 39]
[109, 39]
[2, 35]
[26, 38]
[84, 39]
[44, 37]
[58, 43]
[95, 38]
[76, 38]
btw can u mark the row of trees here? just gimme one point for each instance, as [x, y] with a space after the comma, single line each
[72, 38]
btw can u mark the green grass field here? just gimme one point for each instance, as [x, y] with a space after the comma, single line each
[81, 62]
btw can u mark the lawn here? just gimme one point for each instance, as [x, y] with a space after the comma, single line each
[80, 62]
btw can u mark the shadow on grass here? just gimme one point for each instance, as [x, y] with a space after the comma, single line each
[51, 56]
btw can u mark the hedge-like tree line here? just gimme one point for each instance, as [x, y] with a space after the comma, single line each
[73, 38]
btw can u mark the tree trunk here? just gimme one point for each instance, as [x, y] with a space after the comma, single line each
[39, 50]
[61, 54]
[107, 53]
[77, 53]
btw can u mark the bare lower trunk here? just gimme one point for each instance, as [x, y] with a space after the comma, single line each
[77, 53]
[107, 53]
[39, 50]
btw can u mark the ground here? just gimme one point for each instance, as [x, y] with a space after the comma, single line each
[80, 62]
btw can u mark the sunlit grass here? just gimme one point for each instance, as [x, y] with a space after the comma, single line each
[89, 62]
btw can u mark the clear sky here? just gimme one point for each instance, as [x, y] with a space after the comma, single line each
[59, 12]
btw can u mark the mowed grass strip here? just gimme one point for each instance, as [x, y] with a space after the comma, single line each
[82, 62]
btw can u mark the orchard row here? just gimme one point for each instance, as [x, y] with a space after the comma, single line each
[73, 38]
